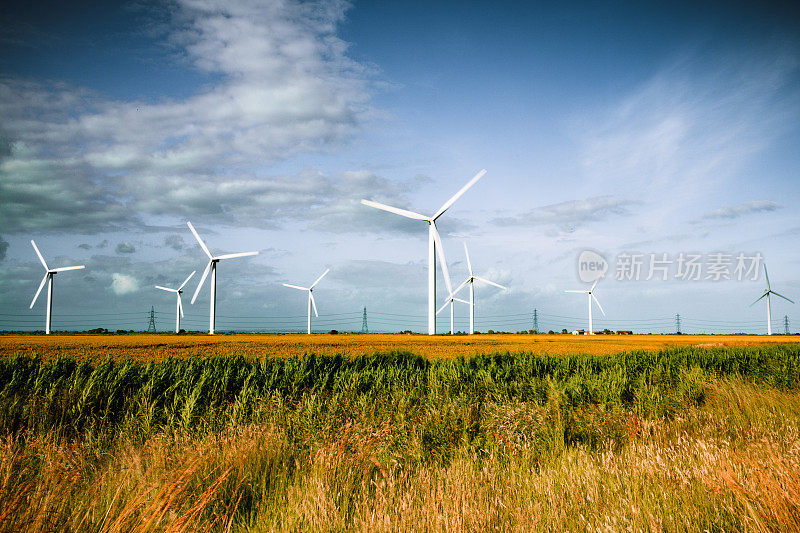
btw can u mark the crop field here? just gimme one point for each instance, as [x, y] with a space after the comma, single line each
[542, 433]
[149, 347]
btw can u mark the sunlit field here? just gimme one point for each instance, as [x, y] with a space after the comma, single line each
[390, 432]
[147, 347]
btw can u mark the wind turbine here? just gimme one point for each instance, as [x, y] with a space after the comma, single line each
[212, 265]
[179, 309]
[311, 301]
[471, 281]
[48, 278]
[591, 295]
[767, 292]
[434, 244]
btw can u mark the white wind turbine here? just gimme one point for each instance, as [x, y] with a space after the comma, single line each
[212, 265]
[48, 278]
[591, 296]
[767, 293]
[450, 299]
[311, 301]
[471, 281]
[434, 244]
[178, 292]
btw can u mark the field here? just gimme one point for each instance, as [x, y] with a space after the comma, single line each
[245, 433]
[144, 347]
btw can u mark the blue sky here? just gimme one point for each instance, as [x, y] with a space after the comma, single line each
[618, 127]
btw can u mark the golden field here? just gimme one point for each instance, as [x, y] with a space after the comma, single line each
[154, 346]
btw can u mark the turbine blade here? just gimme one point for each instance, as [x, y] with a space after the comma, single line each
[582, 292]
[36, 248]
[759, 298]
[765, 274]
[320, 278]
[41, 286]
[187, 280]
[782, 296]
[313, 303]
[395, 210]
[63, 269]
[490, 282]
[231, 256]
[594, 284]
[460, 300]
[202, 279]
[457, 195]
[295, 287]
[180, 304]
[442, 308]
[202, 244]
[598, 304]
[463, 284]
[469, 265]
[440, 252]
[165, 289]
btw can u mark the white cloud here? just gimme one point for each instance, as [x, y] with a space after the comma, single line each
[690, 129]
[568, 216]
[746, 208]
[284, 85]
[123, 284]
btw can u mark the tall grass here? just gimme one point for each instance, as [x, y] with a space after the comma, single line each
[679, 439]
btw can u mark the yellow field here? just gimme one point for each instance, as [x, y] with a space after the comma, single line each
[148, 347]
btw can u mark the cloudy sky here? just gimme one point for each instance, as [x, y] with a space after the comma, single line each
[624, 128]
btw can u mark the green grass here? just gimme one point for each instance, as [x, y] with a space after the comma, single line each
[391, 441]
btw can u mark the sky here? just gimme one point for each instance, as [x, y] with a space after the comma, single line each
[637, 130]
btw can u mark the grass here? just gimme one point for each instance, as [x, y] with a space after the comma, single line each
[681, 439]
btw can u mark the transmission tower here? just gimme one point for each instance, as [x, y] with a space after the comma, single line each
[364, 328]
[786, 324]
[535, 321]
[152, 325]
[678, 323]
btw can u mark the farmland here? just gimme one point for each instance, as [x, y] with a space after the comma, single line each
[692, 433]
[144, 347]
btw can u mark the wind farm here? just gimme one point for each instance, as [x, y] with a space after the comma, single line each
[599, 195]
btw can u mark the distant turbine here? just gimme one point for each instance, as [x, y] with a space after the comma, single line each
[591, 295]
[212, 265]
[450, 300]
[48, 278]
[767, 292]
[311, 301]
[434, 244]
[471, 281]
[179, 309]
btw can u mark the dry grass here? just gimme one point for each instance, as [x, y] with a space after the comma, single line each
[704, 471]
[154, 347]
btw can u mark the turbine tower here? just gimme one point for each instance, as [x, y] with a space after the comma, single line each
[450, 299]
[212, 265]
[48, 278]
[311, 301]
[471, 281]
[767, 293]
[434, 244]
[590, 294]
[179, 306]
